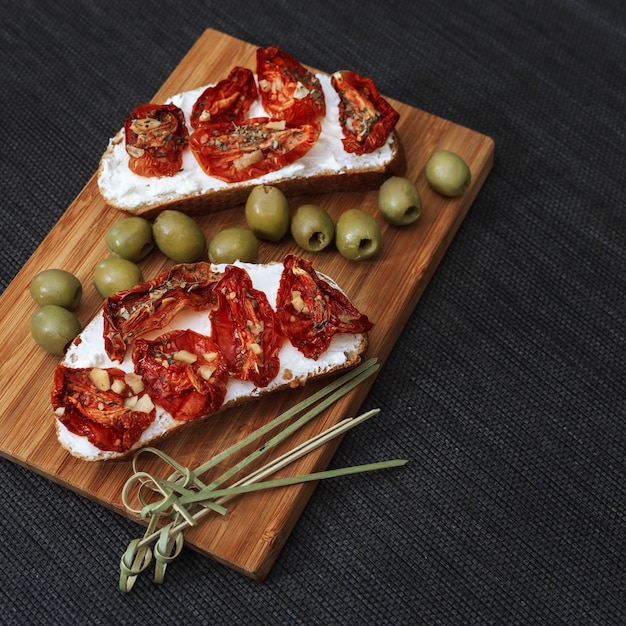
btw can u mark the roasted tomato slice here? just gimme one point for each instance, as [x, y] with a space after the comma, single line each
[245, 327]
[152, 304]
[366, 118]
[289, 91]
[227, 101]
[184, 372]
[108, 406]
[155, 137]
[235, 153]
[311, 311]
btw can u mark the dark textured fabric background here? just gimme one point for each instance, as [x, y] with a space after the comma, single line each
[506, 390]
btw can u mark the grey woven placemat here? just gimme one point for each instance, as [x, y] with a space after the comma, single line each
[506, 388]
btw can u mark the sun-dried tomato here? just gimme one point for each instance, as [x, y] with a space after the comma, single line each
[229, 100]
[289, 91]
[104, 416]
[155, 136]
[238, 152]
[366, 118]
[184, 372]
[311, 311]
[245, 327]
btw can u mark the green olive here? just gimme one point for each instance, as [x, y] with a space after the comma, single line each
[56, 287]
[312, 228]
[54, 328]
[233, 244]
[357, 235]
[130, 238]
[178, 236]
[447, 173]
[267, 213]
[399, 201]
[115, 274]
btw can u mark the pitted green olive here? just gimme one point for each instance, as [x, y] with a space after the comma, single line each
[267, 213]
[58, 287]
[115, 274]
[130, 238]
[54, 328]
[178, 236]
[447, 173]
[233, 244]
[399, 201]
[357, 235]
[312, 228]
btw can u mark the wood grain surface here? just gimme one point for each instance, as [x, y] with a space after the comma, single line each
[387, 288]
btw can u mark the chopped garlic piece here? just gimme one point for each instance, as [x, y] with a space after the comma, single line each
[100, 378]
[131, 402]
[144, 404]
[255, 347]
[206, 371]
[134, 381]
[248, 158]
[184, 356]
[298, 302]
[300, 92]
[118, 386]
[276, 125]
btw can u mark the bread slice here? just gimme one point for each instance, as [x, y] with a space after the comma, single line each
[87, 351]
[326, 168]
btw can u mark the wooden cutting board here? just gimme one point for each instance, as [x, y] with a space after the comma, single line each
[387, 288]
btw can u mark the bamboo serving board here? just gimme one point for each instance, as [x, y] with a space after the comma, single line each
[387, 288]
